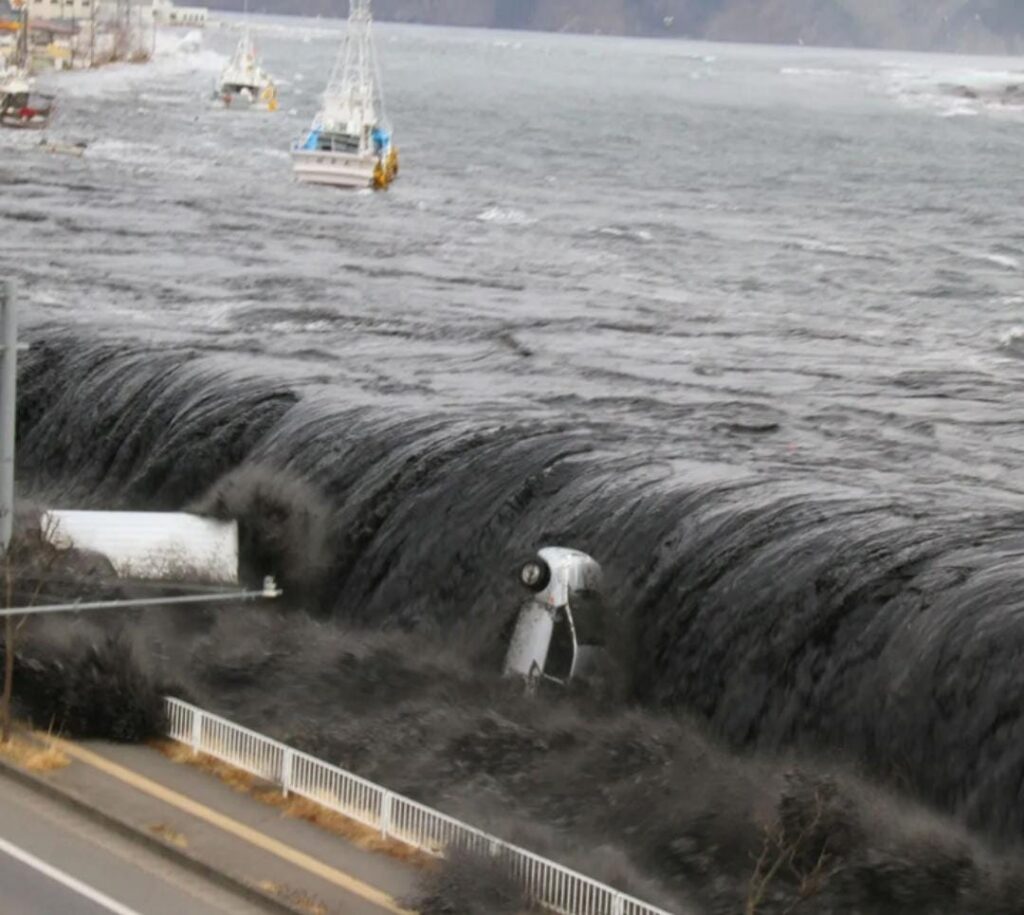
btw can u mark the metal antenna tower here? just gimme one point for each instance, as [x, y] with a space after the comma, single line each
[21, 54]
[353, 96]
[246, 41]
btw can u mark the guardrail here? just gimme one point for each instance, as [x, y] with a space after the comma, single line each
[555, 887]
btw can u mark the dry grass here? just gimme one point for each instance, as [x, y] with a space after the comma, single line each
[298, 808]
[296, 898]
[32, 755]
[240, 781]
[169, 835]
[364, 837]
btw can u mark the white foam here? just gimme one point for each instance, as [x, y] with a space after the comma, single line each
[1002, 260]
[816, 72]
[640, 235]
[956, 91]
[816, 246]
[191, 43]
[298, 326]
[1013, 340]
[505, 217]
[958, 109]
[174, 57]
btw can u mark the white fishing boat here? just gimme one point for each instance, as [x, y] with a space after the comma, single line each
[21, 106]
[244, 81]
[349, 143]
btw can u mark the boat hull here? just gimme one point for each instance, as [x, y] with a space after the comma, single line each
[346, 170]
[17, 123]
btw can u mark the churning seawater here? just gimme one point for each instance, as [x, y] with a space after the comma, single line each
[778, 259]
[746, 323]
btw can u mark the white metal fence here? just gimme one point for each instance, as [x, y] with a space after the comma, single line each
[399, 818]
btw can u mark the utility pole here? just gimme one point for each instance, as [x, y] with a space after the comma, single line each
[8, 380]
[92, 32]
[8, 376]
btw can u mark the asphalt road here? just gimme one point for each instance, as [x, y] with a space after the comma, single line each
[55, 862]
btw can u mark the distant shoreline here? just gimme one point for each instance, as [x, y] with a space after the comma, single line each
[968, 26]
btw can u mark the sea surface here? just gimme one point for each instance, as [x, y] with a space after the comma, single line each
[746, 323]
[792, 260]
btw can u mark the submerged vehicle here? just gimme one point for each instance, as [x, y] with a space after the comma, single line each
[244, 81]
[349, 143]
[560, 632]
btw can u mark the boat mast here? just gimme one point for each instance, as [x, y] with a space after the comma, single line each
[353, 96]
[21, 57]
[245, 47]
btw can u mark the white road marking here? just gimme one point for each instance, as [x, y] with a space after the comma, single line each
[111, 905]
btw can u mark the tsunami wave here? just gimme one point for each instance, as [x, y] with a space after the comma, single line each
[784, 613]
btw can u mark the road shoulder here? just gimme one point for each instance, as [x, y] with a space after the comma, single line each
[274, 861]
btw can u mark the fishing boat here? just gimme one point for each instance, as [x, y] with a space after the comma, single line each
[349, 143]
[244, 80]
[20, 105]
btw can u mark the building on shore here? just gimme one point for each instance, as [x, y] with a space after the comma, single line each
[168, 13]
[50, 42]
[50, 10]
[66, 34]
[88, 33]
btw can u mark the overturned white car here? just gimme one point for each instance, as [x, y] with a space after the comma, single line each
[560, 633]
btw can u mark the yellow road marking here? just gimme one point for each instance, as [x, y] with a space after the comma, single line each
[371, 894]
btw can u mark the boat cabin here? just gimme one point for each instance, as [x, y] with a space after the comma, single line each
[371, 139]
[320, 140]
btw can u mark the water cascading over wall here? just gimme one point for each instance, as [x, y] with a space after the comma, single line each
[785, 612]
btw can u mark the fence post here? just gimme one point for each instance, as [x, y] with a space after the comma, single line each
[385, 814]
[286, 771]
[197, 731]
[618, 904]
